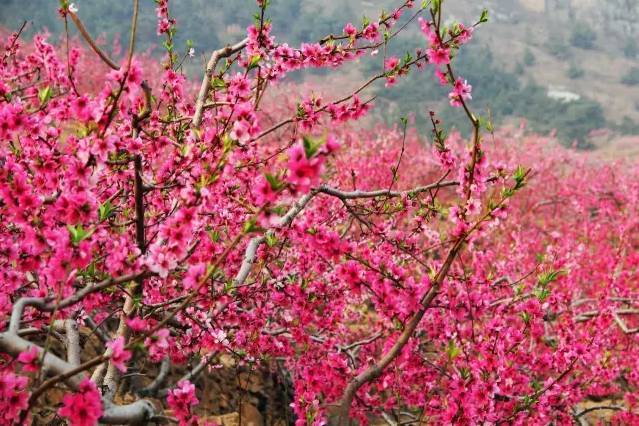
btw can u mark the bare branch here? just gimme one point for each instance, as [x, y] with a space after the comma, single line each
[18, 309]
[97, 330]
[154, 386]
[376, 370]
[247, 262]
[47, 304]
[73, 342]
[13, 345]
[191, 375]
[92, 43]
[72, 376]
[349, 195]
[206, 81]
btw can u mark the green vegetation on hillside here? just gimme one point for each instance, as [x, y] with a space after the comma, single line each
[498, 94]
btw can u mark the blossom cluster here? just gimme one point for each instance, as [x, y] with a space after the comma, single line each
[388, 278]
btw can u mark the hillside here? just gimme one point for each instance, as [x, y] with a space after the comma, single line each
[558, 63]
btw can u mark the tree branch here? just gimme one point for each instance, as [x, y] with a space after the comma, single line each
[73, 342]
[349, 195]
[206, 81]
[92, 43]
[154, 386]
[72, 376]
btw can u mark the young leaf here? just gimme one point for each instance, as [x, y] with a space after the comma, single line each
[484, 16]
[44, 95]
[253, 63]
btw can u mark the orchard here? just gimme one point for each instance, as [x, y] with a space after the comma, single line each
[151, 223]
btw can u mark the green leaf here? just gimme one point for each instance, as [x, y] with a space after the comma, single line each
[520, 177]
[44, 95]
[274, 181]
[78, 233]
[464, 373]
[435, 5]
[546, 278]
[311, 146]
[507, 192]
[486, 123]
[214, 235]
[251, 226]
[270, 239]
[452, 350]
[253, 63]
[105, 210]
[407, 58]
[484, 16]
[218, 83]
[300, 112]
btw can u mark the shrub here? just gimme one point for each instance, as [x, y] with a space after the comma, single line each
[583, 36]
[529, 58]
[557, 47]
[631, 78]
[630, 48]
[574, 71]
[155, 228]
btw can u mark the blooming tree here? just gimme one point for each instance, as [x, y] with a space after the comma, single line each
[392, 279]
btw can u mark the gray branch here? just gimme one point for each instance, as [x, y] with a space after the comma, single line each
[73, 342]
[350, 195]
[136, 412]
[287, 219]
[154, 386]
[191, 375]
[225, 52]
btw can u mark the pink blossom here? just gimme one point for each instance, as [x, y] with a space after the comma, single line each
[350, 30]
[431, 35]
[371, 32]
[461, 91]
[181, 399]
[441, 77]
[263, 191]
[158, 344]
[119, 355]
[438, 55]
[84, 407]
[303, 172]
[137, 324]
[14, 395]
[30, 359]
[390, 63]
[464, 34]
[194, 276]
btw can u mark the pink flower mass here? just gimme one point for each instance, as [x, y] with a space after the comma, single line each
[157, 228]
[84, 407]
[119, 356]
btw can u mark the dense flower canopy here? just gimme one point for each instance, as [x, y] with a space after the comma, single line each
[433, 278]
